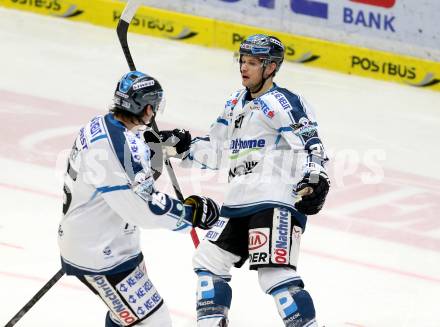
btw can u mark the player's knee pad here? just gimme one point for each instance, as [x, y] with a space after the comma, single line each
[273, 277]
[214, 297]
[295, 306]
[209, 256]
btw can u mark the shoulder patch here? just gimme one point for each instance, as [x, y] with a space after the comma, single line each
[305, 129]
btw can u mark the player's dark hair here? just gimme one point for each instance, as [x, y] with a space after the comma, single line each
[126, 115]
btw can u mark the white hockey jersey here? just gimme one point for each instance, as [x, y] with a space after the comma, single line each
[109, 192]
[266, 143]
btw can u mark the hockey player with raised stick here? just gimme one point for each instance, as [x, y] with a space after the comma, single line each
[276, 178]
[109, 193]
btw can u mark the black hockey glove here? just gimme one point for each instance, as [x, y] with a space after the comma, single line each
[319, 182]
[179, 139]
[205, 211]
[156, 155]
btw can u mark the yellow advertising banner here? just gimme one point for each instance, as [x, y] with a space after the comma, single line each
[210, 32]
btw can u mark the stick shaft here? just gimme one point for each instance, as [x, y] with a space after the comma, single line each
[122, 29]
[35, 298]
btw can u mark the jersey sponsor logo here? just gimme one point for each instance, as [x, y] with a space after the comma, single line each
[240, 144]
[257, 240]
[138, 290]
[266, 110]
[138, 151]
[230, 104]
[82, 138]
[258, 257]
[149, 305]
[95, 127]
[282, 100]
[112, 299]
[258, 245]
[260, 105]
[215, 231]
[281, 236]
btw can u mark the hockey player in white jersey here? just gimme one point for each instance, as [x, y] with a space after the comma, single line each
[269, 138]
[109, 193]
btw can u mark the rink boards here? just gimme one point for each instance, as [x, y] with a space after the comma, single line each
[214, 33]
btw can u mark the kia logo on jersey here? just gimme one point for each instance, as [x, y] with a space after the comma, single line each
[377, 3]
[257, 240]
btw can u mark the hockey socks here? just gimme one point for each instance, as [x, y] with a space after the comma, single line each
[214, 297]
[295, 306]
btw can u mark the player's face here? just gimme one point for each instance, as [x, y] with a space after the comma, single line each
[251, 69]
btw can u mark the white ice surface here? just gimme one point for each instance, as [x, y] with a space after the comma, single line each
[371, 258]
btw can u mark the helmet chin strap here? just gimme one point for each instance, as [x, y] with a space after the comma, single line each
[263, 81]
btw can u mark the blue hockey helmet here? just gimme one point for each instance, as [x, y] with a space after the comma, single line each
[266, 47]
[136, 90]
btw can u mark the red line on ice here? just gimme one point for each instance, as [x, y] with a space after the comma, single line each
[38, 279]
[372, 266]
[9, 245]
[29, 190]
